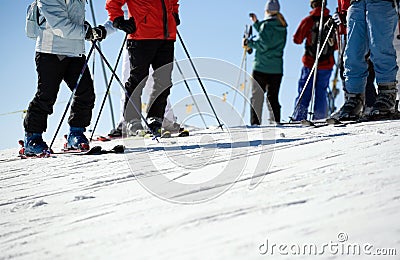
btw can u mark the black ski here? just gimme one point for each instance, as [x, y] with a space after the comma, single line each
[95, 150]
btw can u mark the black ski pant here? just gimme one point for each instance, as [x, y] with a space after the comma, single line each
[142, 54]
[270, 83]
[52, 70]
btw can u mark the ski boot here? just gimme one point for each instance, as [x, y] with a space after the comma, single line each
[33, 144]
[385, 104]
[155, 124]
[352, 108]
[76, 139]
[171, 126]
[116, 132]
[133, 127]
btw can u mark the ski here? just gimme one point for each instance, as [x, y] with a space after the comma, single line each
[145, 134]
[367, 118]
[95, 150]
[315, 124]
[337, 122]
[35, 156]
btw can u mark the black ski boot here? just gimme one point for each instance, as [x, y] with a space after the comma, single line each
[385, 104]
[155, 124]
[117, 132]
[352, 108]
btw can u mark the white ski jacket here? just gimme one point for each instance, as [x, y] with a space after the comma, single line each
[63, 32]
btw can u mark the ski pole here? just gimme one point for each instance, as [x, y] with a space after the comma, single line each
[108, 87]
[123, 87]
[190, 92]
[198, 78]
[321, 21]
[73, 93]
[246, 89]
[240, 76]
[311, 72]
[104, 70]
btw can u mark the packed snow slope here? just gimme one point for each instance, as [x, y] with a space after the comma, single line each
[330, 191]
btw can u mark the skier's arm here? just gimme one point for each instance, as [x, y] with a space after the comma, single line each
[56, 14]
[108, 25]
[260, 42]
[114, 8]
[257, 25]
[302, 30]
[175, 7]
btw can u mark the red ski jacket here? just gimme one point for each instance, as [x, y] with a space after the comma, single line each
[154, 18]
[343, 6]
[304, 32]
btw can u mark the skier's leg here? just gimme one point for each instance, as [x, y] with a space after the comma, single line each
[356, 68]
[141, 53]
[162, 65]
[321, 86]
[302, 107]
[125, 76]
[382, 22]
[83, 103]
[273, 86]
[50, 72]
[259, 83]
[121, 125]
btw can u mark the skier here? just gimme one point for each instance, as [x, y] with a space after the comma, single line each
[308, 30]
[149, 43]
[339, 18]
[169, 122]
[268, 62]
[60, 55]
[370, 26]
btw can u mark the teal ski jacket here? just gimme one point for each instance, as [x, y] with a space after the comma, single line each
[269, 45]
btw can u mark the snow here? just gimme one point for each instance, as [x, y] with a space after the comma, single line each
[310, 186]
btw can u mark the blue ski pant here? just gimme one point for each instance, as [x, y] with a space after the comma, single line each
[371, 26]
[320, 101]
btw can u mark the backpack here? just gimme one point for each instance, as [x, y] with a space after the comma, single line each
[327, 52]
[33, 20]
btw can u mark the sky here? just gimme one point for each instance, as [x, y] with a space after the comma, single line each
[210, 29]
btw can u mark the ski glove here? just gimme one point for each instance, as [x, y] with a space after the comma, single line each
[127, 26]
[336, 18]
[245, 42]
[99, 33]
[177, 20]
